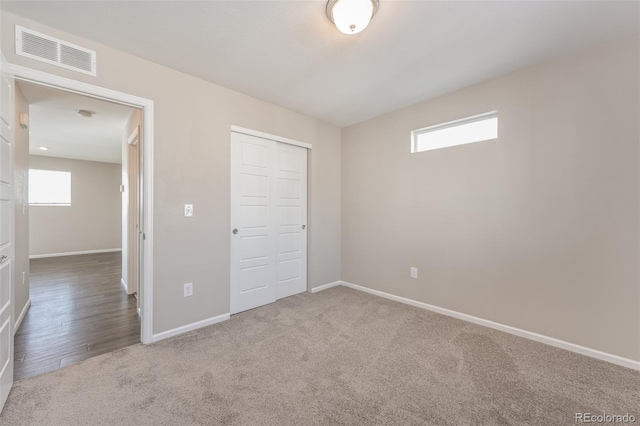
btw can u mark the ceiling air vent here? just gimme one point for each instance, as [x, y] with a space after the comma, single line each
[44, 48]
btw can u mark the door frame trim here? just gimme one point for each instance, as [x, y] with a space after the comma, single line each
[58, 82]
[269, 136]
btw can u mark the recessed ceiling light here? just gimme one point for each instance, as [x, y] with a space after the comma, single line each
[43, 148]
[85, 113]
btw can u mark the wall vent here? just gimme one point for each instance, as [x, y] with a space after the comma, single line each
[44, 48]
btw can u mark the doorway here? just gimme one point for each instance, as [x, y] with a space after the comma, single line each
[10, 314]
[76, 226]
[268, 220]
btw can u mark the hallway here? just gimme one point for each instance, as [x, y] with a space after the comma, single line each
[78, 310]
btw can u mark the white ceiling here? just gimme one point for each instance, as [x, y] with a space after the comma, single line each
[288, 53]
[53, 123]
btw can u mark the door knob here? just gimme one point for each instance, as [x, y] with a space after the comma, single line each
[304, 226]
[235, 231]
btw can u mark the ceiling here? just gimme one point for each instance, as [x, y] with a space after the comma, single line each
[53, 123]
[288, 52]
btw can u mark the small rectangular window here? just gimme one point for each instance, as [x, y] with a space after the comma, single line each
[49, 188]
[459, 132]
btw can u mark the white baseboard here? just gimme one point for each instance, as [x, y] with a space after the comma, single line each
[189, 327]
[326, 286]
[604, 356]
[21, 316]
[73, 253]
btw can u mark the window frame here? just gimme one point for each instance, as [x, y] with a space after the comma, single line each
[415, 134]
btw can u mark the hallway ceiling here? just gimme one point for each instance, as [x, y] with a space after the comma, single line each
[53, 123]
[288, 52]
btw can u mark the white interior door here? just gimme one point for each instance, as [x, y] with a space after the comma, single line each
[253, 238]
[268, 221]
[291, 197]
[6, 236]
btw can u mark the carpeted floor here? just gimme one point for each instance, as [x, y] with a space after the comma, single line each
[335, 357]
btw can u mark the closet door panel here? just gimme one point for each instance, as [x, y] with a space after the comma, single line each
[253, 237]
[291, 199]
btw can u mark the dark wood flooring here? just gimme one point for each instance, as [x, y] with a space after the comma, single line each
[78, 310]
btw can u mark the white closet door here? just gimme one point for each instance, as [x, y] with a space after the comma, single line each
[253, 237]
[268, 221]
[291, 198]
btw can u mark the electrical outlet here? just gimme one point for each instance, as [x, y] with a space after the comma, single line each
[188, 290]
[414, 272]
[188, 210]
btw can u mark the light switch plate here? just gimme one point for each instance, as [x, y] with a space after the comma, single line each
[188, 210]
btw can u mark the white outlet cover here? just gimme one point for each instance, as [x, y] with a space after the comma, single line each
[188, 210]
[188, 289]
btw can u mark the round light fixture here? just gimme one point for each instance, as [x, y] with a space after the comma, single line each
[85, 113]
[43, 148]
[351, 16]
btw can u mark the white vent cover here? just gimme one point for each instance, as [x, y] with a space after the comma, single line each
[44, 48]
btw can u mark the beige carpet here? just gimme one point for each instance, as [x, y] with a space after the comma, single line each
[335, 357]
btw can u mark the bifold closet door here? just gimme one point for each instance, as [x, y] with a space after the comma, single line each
[268, 221]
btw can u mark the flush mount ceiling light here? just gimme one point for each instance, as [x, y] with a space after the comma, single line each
[43, 148]
[85, 113]
[351, 16]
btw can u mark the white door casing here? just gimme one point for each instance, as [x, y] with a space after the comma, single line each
[139, 258]
[291, 216]
[268, 221]
[146, 168]
[6, 234]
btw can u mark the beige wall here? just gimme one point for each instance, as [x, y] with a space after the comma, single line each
[92, 222]
[537, 230]
[191, 165]
[21, 176]
[130, 203]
